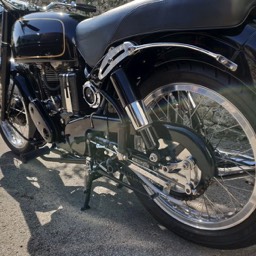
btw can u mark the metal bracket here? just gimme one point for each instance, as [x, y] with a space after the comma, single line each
[114, 56]
[117, 54]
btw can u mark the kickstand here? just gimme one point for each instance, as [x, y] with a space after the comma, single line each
[90, 176]
[121, 177]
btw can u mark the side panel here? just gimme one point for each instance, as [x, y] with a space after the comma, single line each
[38, 38]
[44, 37]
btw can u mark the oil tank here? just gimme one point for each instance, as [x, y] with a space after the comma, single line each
[45, 37]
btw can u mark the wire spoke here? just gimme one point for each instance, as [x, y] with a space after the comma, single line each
[229, 193]
[227, 133]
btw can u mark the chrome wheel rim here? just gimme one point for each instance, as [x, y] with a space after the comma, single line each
[16, 128]
[231, 195]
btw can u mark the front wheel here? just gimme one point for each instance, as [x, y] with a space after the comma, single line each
[17, 129]
[221, 110]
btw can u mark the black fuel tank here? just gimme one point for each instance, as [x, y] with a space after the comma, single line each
[44, 37]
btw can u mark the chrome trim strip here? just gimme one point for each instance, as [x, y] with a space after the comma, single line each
[67, 95]
[66, 92]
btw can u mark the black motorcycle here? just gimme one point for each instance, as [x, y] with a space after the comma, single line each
[157, 95]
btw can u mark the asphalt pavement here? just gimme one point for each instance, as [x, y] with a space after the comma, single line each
[40, 215]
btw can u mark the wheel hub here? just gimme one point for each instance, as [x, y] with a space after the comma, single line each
[184, 162]
[16, 113]
[184, 177]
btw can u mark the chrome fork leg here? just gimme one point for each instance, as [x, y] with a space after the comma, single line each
[134, 108]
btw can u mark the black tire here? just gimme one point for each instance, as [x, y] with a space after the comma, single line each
[18, 129]
[239, 229]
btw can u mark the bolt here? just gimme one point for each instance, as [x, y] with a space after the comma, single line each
[131, 50]
[125, 157]
[165, 169]
[188, 189]
[168, 158]
[153, 157]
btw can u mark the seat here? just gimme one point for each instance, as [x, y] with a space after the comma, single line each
[95, 35]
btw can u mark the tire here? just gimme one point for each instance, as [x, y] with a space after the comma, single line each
[223, 109]
[17, 129]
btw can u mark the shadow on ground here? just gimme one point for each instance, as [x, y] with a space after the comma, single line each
[116, 224]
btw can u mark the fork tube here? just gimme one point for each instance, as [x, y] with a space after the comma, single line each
[5, 59]
[134, 108]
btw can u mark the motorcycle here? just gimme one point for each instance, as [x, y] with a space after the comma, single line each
[158, 96]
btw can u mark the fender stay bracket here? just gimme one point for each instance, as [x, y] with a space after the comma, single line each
[117, 54]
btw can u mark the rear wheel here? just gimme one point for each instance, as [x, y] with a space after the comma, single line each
[220, 109]
[17, 129]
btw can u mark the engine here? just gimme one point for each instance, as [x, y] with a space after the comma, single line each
[60, 90]
[43, 44]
